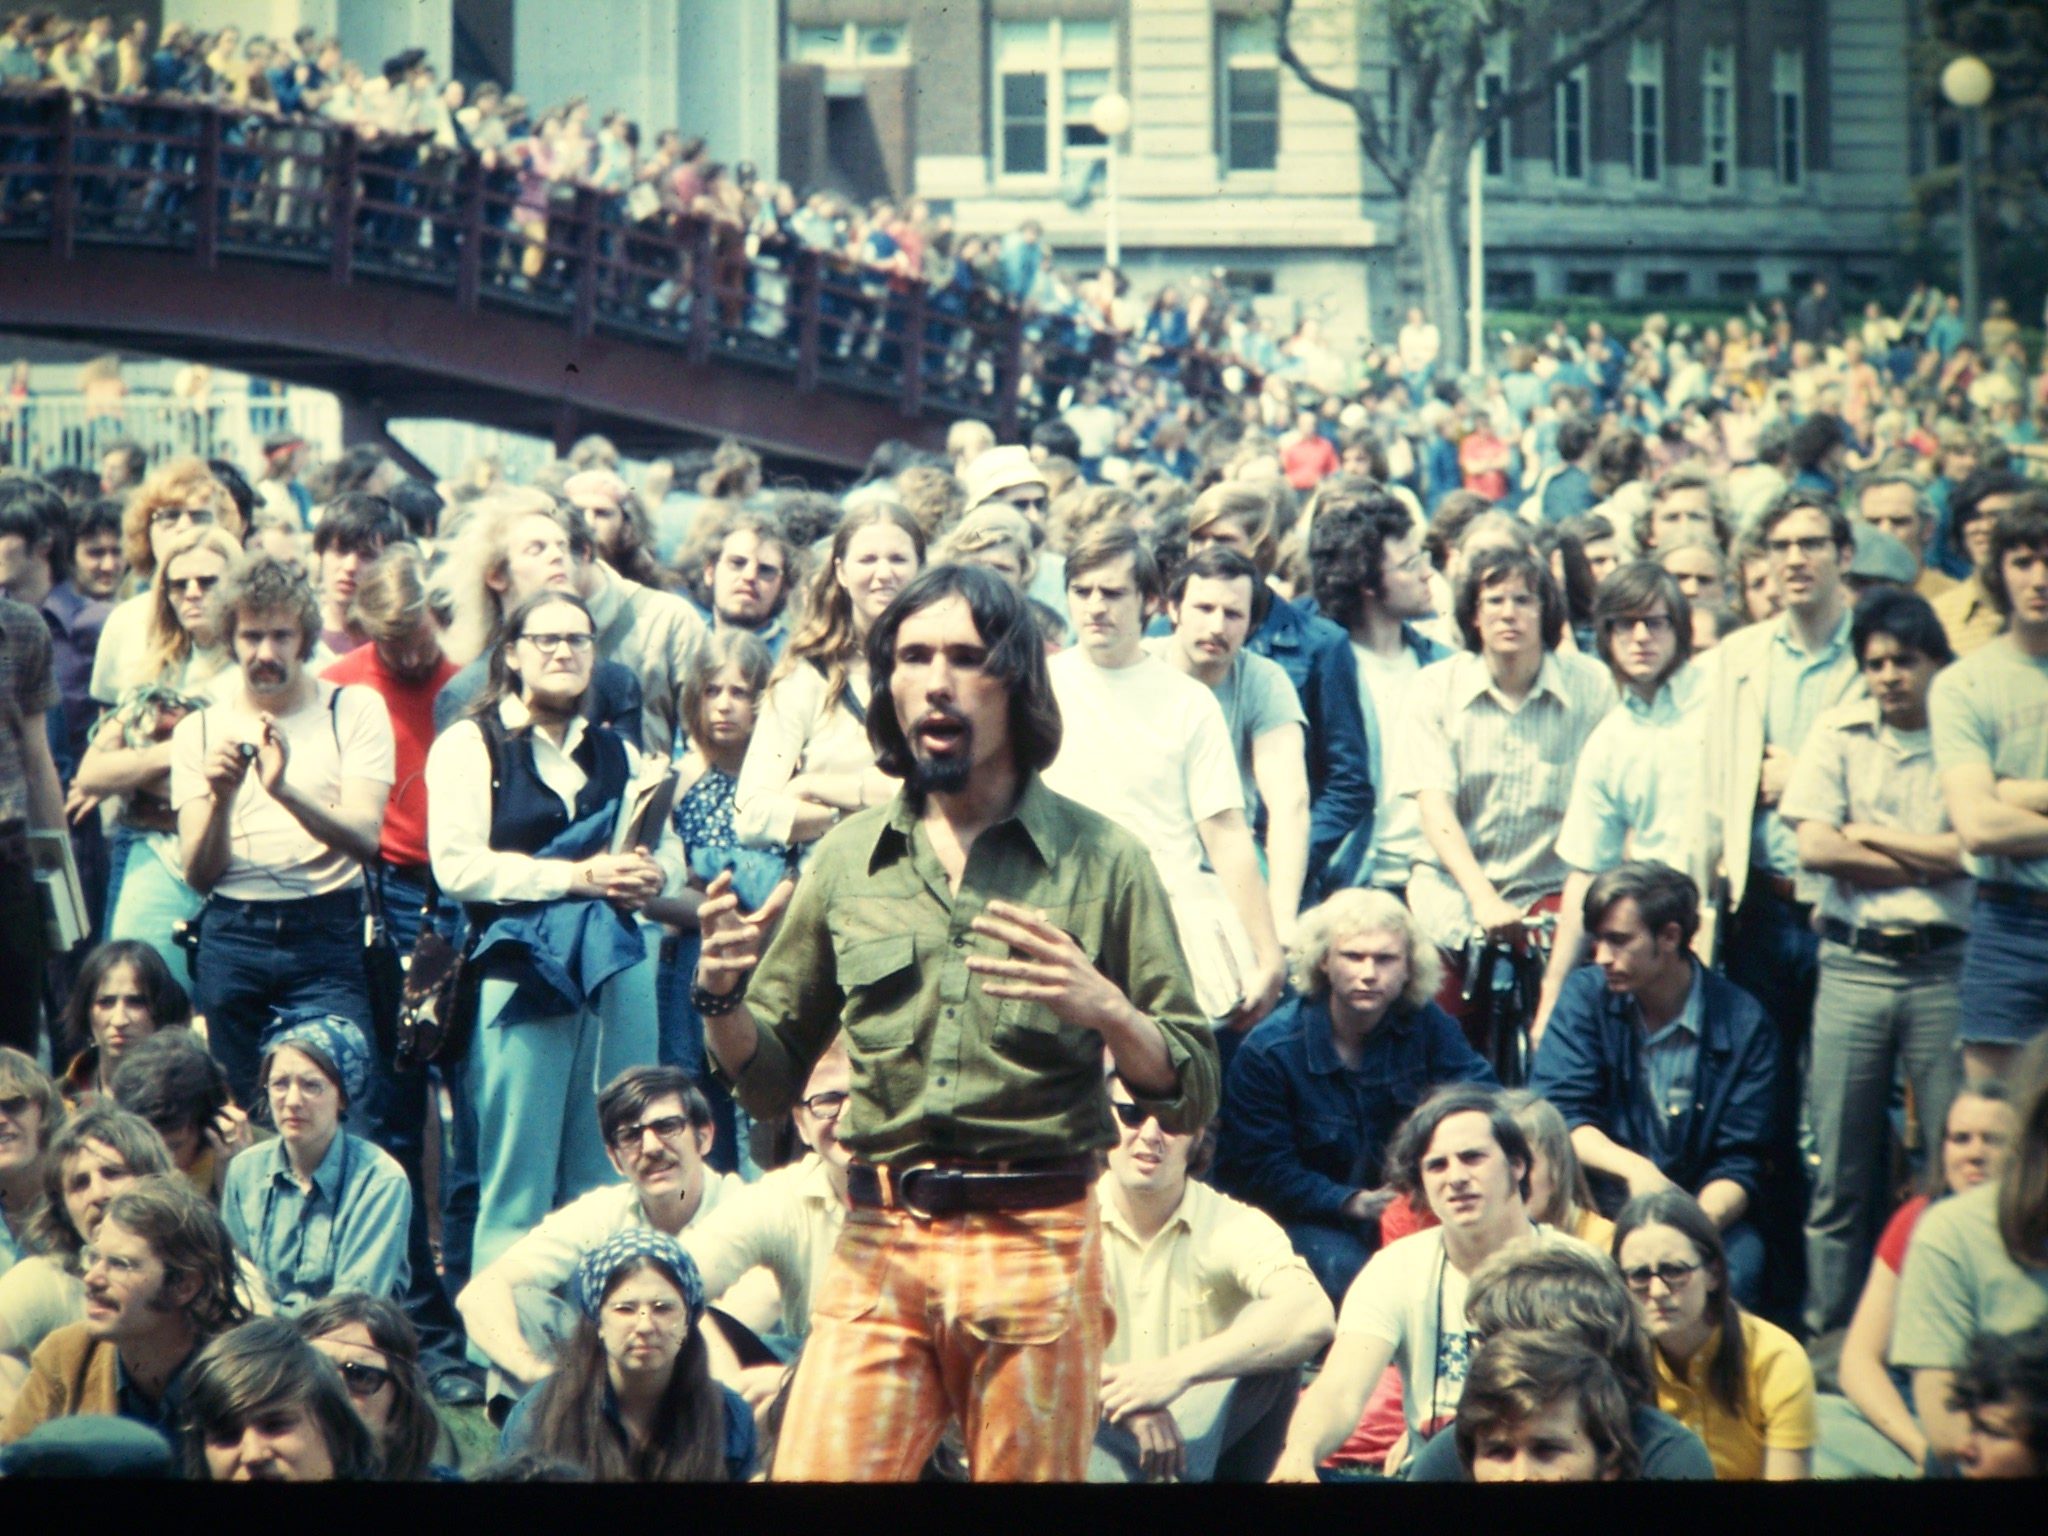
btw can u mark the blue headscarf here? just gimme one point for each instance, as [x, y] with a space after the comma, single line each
[621, 1249]
[336, 1044]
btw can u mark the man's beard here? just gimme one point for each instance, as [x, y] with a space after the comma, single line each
[947, 775]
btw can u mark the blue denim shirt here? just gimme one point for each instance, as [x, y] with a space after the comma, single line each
[1316, 656]
[1302, 1132]
[347, 1233]
[1592, 1066]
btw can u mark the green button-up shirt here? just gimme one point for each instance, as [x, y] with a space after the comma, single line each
[876, 942]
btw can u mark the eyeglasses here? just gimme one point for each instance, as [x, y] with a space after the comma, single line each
[1673, 1276]
[309, 1087]
[170, 517]
[199, 584]
[670, 1128]
[1817, 544]
[826, 1106]
[362, 1380]
[16, 1107]
[1655, 623]
[547, 645]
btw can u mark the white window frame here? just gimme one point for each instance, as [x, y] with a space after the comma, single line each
[1648, 142]
[1788, 115]
[1718, 108]
[1231, 53]
[1060, 55]
[851, 35]
[1493, 82]
[1581, 78]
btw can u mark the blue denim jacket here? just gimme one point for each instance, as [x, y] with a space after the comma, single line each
[347, 1234]
[1590, 1066]
[1302, 1132]
[1316, 656]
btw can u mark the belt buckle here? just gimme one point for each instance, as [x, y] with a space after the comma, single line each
[892, 1188]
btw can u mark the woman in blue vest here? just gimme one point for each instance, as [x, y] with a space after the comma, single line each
[523, 799]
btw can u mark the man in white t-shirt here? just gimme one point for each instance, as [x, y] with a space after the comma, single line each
[1215, 1314]
[1216, 601]
[279, 791]
[1147, 747]
[657, 1128]
[1407, 1306]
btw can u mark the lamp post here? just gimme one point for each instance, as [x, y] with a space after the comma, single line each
[1967, 83]
[1111, 116]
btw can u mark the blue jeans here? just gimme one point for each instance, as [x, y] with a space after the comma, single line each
[534, 1085]
[682, 1044]
[259, 958]
[1233, 1430]
[2004, 987]
[146, 901]
[1335, 1252]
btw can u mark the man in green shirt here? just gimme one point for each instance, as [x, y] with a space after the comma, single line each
[980, 941]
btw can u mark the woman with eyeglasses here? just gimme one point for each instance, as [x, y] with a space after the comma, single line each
[525, 798]
[1869, 1430]
[810, 762]
[1743, 1385]
[373, 1345]
[633, 1399]
[181, 667]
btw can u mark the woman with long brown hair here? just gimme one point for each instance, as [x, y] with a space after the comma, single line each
[632, 1399]
[810, 762]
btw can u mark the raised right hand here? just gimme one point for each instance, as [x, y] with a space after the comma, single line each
[733, 940]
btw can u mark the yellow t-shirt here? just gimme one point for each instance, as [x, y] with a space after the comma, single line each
[1778, 1408]
[1595, 1231]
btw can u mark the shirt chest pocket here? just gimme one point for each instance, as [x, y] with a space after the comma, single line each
[1082, 920]
[879, 977]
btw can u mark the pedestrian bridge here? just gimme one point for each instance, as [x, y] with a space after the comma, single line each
[414, 282]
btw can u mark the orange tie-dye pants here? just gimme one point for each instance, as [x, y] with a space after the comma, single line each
[997, 1319]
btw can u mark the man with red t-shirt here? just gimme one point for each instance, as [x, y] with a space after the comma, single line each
[404, 663]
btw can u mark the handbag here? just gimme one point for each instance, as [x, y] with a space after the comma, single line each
[438, 1002]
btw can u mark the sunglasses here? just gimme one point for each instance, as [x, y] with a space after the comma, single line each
[363, 1380]
[1132, 1115]
[1673, 1276]
[17, 1106]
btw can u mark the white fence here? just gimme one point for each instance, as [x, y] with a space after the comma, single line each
[48, 431]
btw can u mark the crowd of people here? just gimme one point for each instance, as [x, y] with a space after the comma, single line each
[1317, 919]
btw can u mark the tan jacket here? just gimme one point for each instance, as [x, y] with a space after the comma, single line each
[70, 1373]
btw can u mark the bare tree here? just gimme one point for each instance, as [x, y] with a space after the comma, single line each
[1439, 53]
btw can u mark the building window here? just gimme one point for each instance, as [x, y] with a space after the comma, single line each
[1589, 285]
[1392, 126]
[1493, 81]
[1788, 114]
[1667, 285]
[1510, 287]
[1568, 142]
[1048, 74]
[850, 42]
[1735, 284]
[1717, 112]
[1247, 94]
[1646, 109]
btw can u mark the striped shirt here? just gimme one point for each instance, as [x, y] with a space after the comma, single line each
[1507, 770]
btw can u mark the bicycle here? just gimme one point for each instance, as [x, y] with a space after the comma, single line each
[1507, 978]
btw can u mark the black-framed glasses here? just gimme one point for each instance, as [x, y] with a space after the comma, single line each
[547, 645]
[1655, 623]
[670, 1128]
[362, 1380]
[1673, 1276]
[1811, 546]
[826, 1106]
[1132, 1115]
[170, 517]
[182, 584]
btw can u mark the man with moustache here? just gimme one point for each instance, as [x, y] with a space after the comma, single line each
[748, 576]
[979, 941]
[280, 792]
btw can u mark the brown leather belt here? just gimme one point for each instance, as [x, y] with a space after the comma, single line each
[953, 1189]
[1895, 944]
[1784, 887]
[2006, 894]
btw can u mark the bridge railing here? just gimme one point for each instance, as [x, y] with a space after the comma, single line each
[46, 429]
[214, 181]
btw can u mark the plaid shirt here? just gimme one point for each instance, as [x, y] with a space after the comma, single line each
[28, 690]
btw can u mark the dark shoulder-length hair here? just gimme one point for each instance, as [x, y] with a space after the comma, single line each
[1728, 1371]
[1493, 565]
[500, 682]
[1016, 658]
[168, 1004]
[261, 1367]
[1631, 591]
[414, 1433]
[688, 1440]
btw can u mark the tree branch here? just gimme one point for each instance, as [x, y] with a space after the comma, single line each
[1371, 138]
[1509, 102]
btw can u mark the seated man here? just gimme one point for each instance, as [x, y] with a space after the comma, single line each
[2003, 1390]
[657, 1127]
[159, 1283]
[1543, 1408]
[1663, 1070]
[1214, 1316]
[787, 1224]
[1318, 1089]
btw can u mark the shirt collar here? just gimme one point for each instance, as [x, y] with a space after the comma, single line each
[1476, 678]
[1321, 1042]
[327, 1177]
[516, 717]
[607, 599]
[1676, 694]
[1113, 1216]
[1036, 812]
[1689, 1017]
[1830, 649]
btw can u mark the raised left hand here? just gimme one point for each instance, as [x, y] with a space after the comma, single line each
[273, 753]
[1051, 968]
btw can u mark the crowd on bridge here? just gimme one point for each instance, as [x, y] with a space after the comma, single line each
[1327, 919]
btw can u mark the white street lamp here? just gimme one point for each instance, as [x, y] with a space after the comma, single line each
[1967, 83]
[1111, 116]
